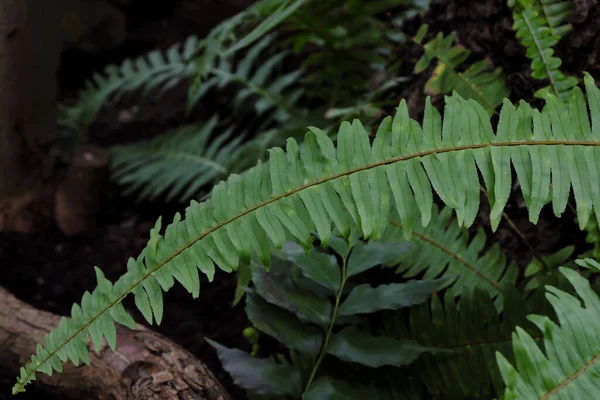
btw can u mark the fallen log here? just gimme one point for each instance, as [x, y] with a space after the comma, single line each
[145, 364]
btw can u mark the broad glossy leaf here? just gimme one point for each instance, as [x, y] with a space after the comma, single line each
[258, 375]
[367, 256]
[322, 268]
[353, 346]
[282, 292]
[365, 299]
[282, 326]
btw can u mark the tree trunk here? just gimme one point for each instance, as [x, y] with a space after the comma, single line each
[145, 365]
[29, 59]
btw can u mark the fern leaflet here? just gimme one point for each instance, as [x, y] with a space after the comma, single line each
[326, 187]
[538, 38]
[570, 367]
[153, 71]
[179, 163]
[442, 249]
[476, 82]
[471, 330]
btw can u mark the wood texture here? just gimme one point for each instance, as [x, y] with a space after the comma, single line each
[144, 366]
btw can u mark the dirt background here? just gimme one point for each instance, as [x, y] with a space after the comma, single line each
[52, 271]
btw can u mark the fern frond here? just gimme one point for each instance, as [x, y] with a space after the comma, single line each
[262, 87]
[471, 330]
[154, 71]
[555, 14]
[326, 187]
[533, 32]
[570, 367]
[178, 163]
[224, 40]
[476, 82]
[442, 249]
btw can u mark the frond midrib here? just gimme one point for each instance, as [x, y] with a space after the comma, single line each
[542, 56]
[193, 157]
[572, 377]
[455, 256]
[366, 167]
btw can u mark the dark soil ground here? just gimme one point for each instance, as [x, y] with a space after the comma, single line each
[51, 271]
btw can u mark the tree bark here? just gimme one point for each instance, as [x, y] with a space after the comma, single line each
[29, 59]
[145, 365]
[81, 195]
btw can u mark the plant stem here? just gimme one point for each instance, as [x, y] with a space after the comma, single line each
[336, 307]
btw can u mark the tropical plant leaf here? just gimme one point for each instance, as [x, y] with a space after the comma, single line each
[281, 292]
[153, 72]
[322, 268]
[258, 375]
[365, 256]
[178, 164]
[374, 351]
[477, 82]
[282, 326]
[444, 250]
[538, 37]
[471, 331]
[357, 184]
[365, 299]
[570, 366]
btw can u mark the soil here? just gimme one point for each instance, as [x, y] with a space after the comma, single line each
[52, 271]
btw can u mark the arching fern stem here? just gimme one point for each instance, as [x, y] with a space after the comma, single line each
[20, 386]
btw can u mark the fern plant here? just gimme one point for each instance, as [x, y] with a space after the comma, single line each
[151, 72]
[179, 163]
[326, 188]
[476, 82]
[539, 29]
[570, 367]
[307, 304]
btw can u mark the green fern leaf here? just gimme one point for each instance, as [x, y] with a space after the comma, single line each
[153, 72]
[442, 249]
[570, 367]
[554, 12]
[179, 163]
[538, 37]
[470, 331]
[476, 82]
[326, 187]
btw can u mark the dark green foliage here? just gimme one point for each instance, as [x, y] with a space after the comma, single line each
[154, 72]
[476, 81]
[180, 163]
[346, 338]
[471, 331]
[570, 366]
[347, 51]
[535, 33]
[261, 90]
[443, 248]
[352, 185]
[300, 307]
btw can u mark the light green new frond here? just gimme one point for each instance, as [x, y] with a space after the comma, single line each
[477, 82]
[355, 182]
[570, 366]
[534, 33]
[442, 250]
[154, 71]
[178, 164]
